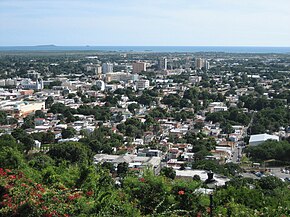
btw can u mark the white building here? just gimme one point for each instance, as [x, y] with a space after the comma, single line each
[121, 76]
[217, 107]
[107, 68]
[20, 108]
[143, 84]
[162, 63]
[260, 138]
[29, 84]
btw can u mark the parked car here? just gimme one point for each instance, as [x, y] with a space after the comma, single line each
[258, 174]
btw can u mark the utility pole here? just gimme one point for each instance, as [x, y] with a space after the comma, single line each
[211, 205]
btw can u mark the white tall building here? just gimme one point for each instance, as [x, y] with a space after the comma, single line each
[162, 63]
[107, 68]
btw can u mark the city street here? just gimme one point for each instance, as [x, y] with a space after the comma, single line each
[237, 153]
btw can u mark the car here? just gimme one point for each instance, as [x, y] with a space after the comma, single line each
[258, 174]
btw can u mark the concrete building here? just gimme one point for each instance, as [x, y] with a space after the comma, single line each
[135, 162]
[260, 138]
[121, 76]
[107, 68]
[217, 107]
[206, 65]
[195, 79]
[162, 63]
[34, 85]
[143, 84]
[201, 63]
[2, 83]
[139, 67]
[10, 82]
[20, 108]
[7, 82]
[97, 69]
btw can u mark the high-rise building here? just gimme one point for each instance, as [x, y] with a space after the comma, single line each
[98, 70]
[139, 67]
[201, 63]
[162, 63]
[207, 66]
[107, 68]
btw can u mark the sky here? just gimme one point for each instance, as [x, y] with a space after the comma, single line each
[145, 22]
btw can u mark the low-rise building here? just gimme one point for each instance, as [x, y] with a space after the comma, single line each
[260, 138]
[143, 84]
[21, 108]
[135, 162]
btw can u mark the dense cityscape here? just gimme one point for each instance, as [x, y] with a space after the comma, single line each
[99, 133]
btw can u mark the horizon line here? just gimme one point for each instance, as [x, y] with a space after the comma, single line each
[54, 45]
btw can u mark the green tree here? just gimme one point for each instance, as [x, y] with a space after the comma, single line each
[28, 122]
[39, 114]
[122, 169]
[133, 107]
[74, 152]
[40, 161]
[10, 158]
[48, 102]
[168, 172]
[68, 133]
[3, 117]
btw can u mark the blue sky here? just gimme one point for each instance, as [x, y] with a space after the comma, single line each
[145, 22]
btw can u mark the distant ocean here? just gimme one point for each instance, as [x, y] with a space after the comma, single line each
[161, 49]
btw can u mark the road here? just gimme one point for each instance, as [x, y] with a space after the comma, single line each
[249, 125]
[237, 154]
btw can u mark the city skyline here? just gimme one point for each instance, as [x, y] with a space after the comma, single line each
[150, 23]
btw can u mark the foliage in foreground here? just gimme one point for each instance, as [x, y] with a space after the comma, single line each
[61, 185]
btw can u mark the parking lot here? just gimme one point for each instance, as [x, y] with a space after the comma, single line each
[276, 171]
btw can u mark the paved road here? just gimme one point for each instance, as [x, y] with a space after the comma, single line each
[237, 154]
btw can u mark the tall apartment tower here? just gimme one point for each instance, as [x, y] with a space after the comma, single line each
[199, 63]
[107, 68]
[162, 63]
[139, 67]
[206, 65]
